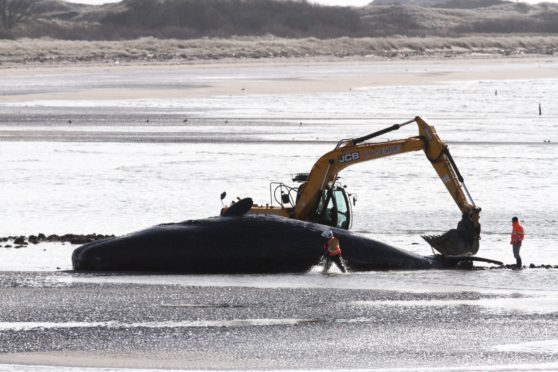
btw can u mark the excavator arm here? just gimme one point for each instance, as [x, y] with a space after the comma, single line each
[461, 241]
[313, 195]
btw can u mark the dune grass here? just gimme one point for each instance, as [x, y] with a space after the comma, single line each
[151, 50]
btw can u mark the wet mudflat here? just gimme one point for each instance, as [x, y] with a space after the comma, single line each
[111, 151]
[165, 322]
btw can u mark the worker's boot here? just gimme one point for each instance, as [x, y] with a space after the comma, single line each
[341, 264]
[327, 265]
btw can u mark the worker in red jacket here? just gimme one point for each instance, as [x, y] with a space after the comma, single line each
[517, 236]
[332, 252]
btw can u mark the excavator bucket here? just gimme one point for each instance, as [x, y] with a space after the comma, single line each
[462, 241]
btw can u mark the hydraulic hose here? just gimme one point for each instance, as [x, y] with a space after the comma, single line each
[459, 176]
[383, 131]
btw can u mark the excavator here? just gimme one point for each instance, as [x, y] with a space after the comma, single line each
[321, 199]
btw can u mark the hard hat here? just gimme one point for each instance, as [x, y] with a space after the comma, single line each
[327, 234]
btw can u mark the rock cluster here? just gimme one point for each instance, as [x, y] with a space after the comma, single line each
[531, 266]
[22, 241]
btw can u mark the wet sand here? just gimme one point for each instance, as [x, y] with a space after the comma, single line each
[63, 319]
[80, 103]
[270, 77]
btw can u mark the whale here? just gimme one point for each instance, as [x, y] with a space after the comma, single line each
[243, 244]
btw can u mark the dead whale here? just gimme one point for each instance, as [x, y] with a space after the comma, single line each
[244, 244]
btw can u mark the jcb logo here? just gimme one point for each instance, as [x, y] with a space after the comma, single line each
[348, 157]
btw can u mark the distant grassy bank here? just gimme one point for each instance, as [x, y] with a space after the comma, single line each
[151, 50]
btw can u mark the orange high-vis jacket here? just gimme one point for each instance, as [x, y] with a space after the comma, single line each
[517, 234]
[332, 247]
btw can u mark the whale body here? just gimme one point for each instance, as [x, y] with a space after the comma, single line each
[244, 244]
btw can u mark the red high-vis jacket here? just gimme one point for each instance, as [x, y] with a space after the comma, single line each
[332, 247]
[517, 234]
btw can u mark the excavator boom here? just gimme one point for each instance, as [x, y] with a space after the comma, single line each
[318, 189]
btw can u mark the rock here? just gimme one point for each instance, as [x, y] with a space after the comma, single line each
[20, 240]
[80, 240]
[76, 239]
[53, 238]
[83, 239]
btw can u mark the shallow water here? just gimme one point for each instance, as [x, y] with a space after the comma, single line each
[123, 165]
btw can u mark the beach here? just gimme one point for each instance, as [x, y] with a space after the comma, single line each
[279, 322]
[272, 76]
[114, 148]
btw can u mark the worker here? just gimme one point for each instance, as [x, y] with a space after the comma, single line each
[517, 236]
[332, 252]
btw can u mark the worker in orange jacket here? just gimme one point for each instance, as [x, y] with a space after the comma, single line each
[332, 252]
[517, 236]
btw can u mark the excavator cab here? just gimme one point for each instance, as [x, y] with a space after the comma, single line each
[334, 208]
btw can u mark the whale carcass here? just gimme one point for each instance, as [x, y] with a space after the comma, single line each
[244, 244]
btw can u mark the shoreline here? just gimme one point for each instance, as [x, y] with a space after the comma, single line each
[244, 77]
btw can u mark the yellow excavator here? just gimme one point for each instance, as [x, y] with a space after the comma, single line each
[322, 200]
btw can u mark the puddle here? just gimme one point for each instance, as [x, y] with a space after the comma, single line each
[528, 305]
[505, 367]
[515, 367]
[31, 326]
[535, 347]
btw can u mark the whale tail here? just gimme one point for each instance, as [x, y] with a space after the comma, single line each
[462, 241]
